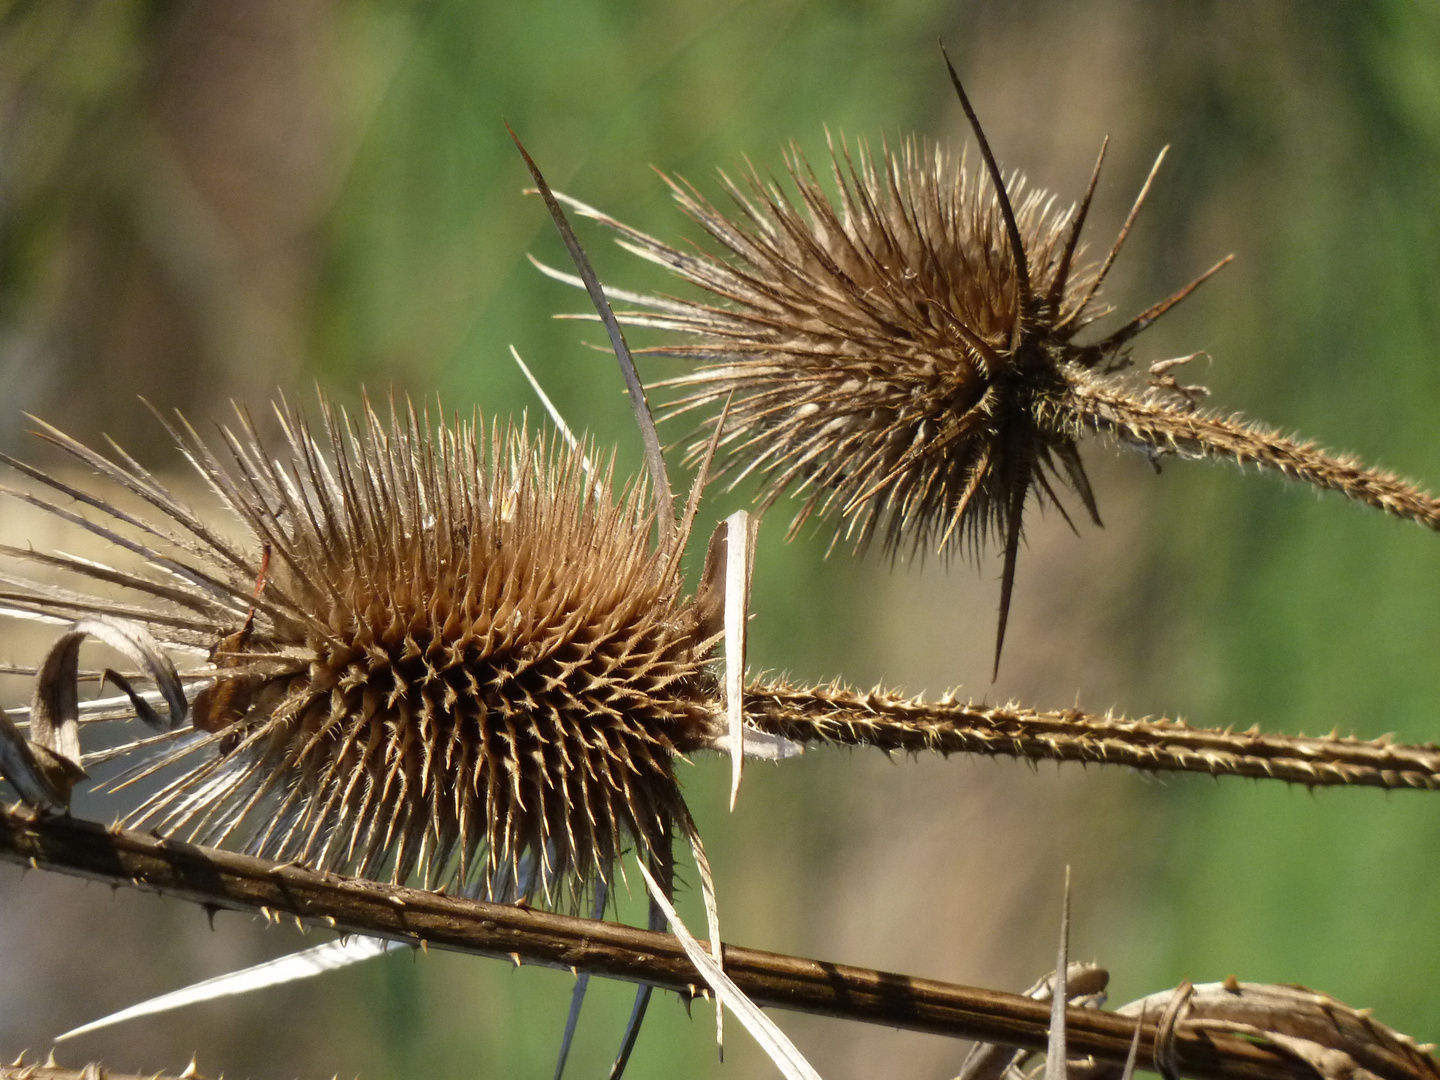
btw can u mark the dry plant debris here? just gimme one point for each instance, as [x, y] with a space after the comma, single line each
[1329, 1037]
[452, 655]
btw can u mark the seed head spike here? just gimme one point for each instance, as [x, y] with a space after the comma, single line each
[1012, 230]
[1018, 493]
[1120, 338]
[1124, 233]
[1067, 258]
[1060, 997]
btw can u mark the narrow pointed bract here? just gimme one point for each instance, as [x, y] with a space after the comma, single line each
[441, 652]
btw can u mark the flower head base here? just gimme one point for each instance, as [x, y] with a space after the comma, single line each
[441, 654]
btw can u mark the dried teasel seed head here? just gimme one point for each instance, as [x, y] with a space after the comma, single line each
[902, 355]
[906, 354]
[441, 653]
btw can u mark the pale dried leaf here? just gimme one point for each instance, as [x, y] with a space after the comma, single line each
[772, 1040]
[306, 964]
[739, 562]
[20, 766]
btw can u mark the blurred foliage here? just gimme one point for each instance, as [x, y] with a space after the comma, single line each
[203, 201]
[1321, 166]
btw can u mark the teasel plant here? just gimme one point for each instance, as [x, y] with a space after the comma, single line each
[912, 358]
[450, 655]
[350, 709]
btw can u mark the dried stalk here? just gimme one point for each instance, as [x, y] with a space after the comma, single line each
[1157, 425]
[223, 880]
[838, 715]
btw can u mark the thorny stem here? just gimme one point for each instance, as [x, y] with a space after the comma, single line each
[1164, 428]
[22, 1070]
[839, 715]
[224, 880]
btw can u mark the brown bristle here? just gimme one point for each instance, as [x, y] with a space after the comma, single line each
[443, 654]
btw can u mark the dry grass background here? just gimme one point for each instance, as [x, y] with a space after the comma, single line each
[262, 193]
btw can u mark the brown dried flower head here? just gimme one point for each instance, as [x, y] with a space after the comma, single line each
[440, 653]
[908, 357]
[903, 356]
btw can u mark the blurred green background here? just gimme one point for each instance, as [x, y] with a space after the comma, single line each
[205, 201]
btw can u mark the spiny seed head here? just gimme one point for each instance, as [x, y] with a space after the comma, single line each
[901, 354]
[443, 653]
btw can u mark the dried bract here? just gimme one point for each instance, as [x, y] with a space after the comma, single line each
[440, 653]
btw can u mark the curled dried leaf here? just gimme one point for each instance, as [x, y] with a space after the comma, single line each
[1165, 1054]
[55, 710]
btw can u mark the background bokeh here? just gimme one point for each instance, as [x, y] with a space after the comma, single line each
[202, 201]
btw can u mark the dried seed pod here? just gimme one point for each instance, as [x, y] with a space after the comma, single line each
[905, 355]
[441, 653]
